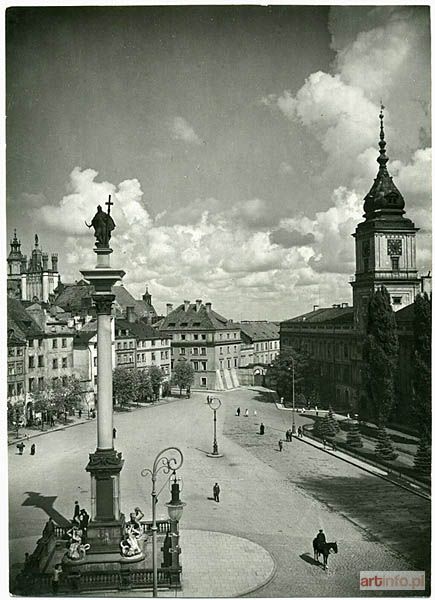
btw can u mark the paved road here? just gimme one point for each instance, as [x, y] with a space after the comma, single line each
[276, 500]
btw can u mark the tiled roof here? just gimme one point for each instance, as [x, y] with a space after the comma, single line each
[141, 331]
[180, 319]
[21, 320]
[72, 294]
[325, 315]
[81, 339]
[257, 331]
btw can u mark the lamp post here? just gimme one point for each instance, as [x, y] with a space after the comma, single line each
[175, 507]
[175, 510]
[214, 403]
[293, 395]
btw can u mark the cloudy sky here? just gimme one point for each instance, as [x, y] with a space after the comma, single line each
[238, 143]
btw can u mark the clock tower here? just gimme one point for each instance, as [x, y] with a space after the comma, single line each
[384, 243]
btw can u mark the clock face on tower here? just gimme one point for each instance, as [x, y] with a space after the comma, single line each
[394, 247]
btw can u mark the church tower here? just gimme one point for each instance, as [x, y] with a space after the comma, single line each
[385, 244]
[14, 258]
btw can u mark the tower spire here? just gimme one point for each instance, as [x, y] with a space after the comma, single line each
[382, 158]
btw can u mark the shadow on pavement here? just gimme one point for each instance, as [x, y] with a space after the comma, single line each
[395, 517]
[309, 559]
[203, 451]
[45, 503]
[264, 397]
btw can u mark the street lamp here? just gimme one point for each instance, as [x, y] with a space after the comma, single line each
[293, 394]
[214, 403]
[175, 506]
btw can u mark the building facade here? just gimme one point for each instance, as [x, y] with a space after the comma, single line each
[210, 342]
[260, 345]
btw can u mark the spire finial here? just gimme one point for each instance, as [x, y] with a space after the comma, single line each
[382, 158]
[36, 240]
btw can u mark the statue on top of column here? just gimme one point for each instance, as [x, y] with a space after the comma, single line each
[103, 225]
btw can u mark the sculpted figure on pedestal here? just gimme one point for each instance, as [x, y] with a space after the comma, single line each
[103, 225]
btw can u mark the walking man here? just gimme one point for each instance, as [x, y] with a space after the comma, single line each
[287, 435]
[280, 445]
[33, 449]
[21, 447]
[114, 433]
[216, 492]
[238, 411]
[80, 413]
[299, 431]
[262, 429]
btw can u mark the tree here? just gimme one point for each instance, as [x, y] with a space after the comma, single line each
[324, 428]
[381, 350]
[145, 390]
[183, 375]
[156, 376]
[15, 414]
[353, 437]
[42, 401]
[422, 365]
[384, 448]
[280, 374]
[125, 386]
[332, 422]
[66, 394]
[422, 461]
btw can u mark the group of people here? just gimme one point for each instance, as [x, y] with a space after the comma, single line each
[238, 412]
[80, 519]
[21, 447]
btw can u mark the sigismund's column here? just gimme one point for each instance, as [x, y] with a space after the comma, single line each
[107, 522]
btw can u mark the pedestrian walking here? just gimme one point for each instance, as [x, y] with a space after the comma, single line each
[208, 399]
[299, 431]
[255, 413]
[287, 435]
[324, 444]
[238, 411]
[33, 449]
[114, 432]
[280, 445]
[80, 413]
[216, 492]
[334, 446]
[21, 447]
[55, 578]
[290, 435]
[261, 428]
[246, 413]
[76, 516]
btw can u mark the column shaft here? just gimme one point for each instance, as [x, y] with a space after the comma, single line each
[104, 382]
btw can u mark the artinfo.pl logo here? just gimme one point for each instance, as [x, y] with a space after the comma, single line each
[391, 580]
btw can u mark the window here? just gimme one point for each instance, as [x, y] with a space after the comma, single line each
[183, 336]
[31, 343]
[40, 343]
[229, 363]
[20, 352]
[130, 344]
[19, 388]
[63, 342]
[204, 365]
[235, 362]
[221, 350]
[203, 336]
[64, 362]
[153, 342]
[220, 336]
[55, 363]
[182, 350]
[11, 369]
[195, 365]
[54, 342]
[19, 368]
[221, 364]
[40, 361]
[11, 389]
[235, 348]
[228, 349]
[395, 263]
[95, 380]
[31, 362]
[203, 351]
[11, 352]
[397, 300]
[40, 383]
[228, 336]
[124, 345]
[195, 351]
[235, 336]
[195, 336]
[153, 356]
[31, 384]
[204, 381]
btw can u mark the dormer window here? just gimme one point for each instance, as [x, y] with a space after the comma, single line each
[395, 263]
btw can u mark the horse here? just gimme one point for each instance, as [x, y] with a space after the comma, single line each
[325, 549]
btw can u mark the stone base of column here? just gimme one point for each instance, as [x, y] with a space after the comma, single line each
[104, 536]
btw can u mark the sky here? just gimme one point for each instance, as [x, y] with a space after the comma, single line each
[237, 143]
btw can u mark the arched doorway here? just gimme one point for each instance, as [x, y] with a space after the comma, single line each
[258, 377]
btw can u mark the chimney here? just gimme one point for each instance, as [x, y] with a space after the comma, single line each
[45, 261]
[54, 262]
[208, 306]
[130, 314]
[344, 304]
[198, 305]
[315, 306]
[186, 305]
[168, 308]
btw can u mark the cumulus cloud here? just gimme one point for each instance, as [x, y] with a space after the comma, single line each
[182, 130]
[290, 238]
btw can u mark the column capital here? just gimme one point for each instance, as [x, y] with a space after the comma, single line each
[103, 303]
[105, 462]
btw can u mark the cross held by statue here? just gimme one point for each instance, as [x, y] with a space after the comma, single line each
[109, 204]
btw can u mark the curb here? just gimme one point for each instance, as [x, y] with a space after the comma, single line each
[420, 493]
